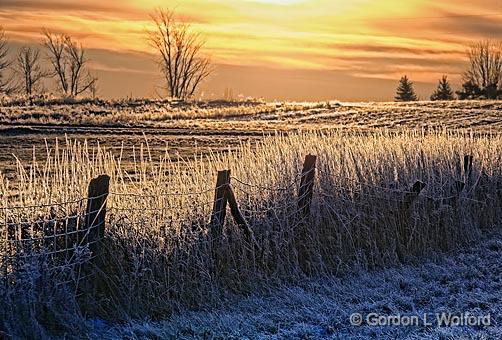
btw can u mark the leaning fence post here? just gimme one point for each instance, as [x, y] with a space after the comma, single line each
[305, 193]
[239, 219]
[220, 204]
[96, 212]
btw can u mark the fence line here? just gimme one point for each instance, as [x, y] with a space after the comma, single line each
[287, 187]
[84, 227]
[48, 205]
[163, 194]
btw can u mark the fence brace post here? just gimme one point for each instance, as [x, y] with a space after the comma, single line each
[239, 219]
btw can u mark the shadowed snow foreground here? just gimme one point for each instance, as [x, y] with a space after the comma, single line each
[467, 281]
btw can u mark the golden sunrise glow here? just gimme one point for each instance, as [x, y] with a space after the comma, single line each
[361, 38]
[280, 2]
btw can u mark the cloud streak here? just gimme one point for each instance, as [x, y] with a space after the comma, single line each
[357, 39]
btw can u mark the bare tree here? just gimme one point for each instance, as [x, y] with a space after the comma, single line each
[69, 64]
[485, 68]
[180, 54]
[57, 56]
[29, 70]
[6, 86]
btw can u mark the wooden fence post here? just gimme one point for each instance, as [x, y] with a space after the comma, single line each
[411, 196]
[402, 231]
[305, 193]
[306, 186]
[96, 212]
[468, 165]
[220, 204]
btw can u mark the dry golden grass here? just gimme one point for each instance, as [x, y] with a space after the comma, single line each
[158, 250]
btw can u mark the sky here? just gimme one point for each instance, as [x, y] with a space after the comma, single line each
[273, 49]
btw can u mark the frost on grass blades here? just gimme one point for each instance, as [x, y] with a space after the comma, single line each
[158, 252]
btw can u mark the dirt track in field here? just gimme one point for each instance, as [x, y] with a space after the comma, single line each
[26, 142]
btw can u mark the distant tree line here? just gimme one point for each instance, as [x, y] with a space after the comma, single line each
[24, 74]
[179, 49]
[481, 80]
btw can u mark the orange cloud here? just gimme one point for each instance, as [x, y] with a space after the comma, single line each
[362, 38]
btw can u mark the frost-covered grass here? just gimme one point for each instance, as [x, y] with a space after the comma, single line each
[159, 255]
[468, 280]
[257, 116]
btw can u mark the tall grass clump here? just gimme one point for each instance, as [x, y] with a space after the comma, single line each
[35, 305]
[159, 256]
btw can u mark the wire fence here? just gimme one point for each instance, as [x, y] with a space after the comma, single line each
[57, 239]
[67, 235]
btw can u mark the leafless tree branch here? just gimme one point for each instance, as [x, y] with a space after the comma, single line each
[28, 68]
[6, 84]
[69, 64]
[180, 54]
[485, 65]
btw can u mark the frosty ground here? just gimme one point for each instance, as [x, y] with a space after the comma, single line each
[466, 280]
[253, 116]
[365, 168]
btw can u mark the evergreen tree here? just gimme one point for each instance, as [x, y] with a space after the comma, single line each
[443, 92]
[473, 91]
[469, 91]
[492, 91]
[405, 91]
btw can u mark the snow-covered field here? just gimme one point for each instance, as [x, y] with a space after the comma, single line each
[257, 116]
[464, 281]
